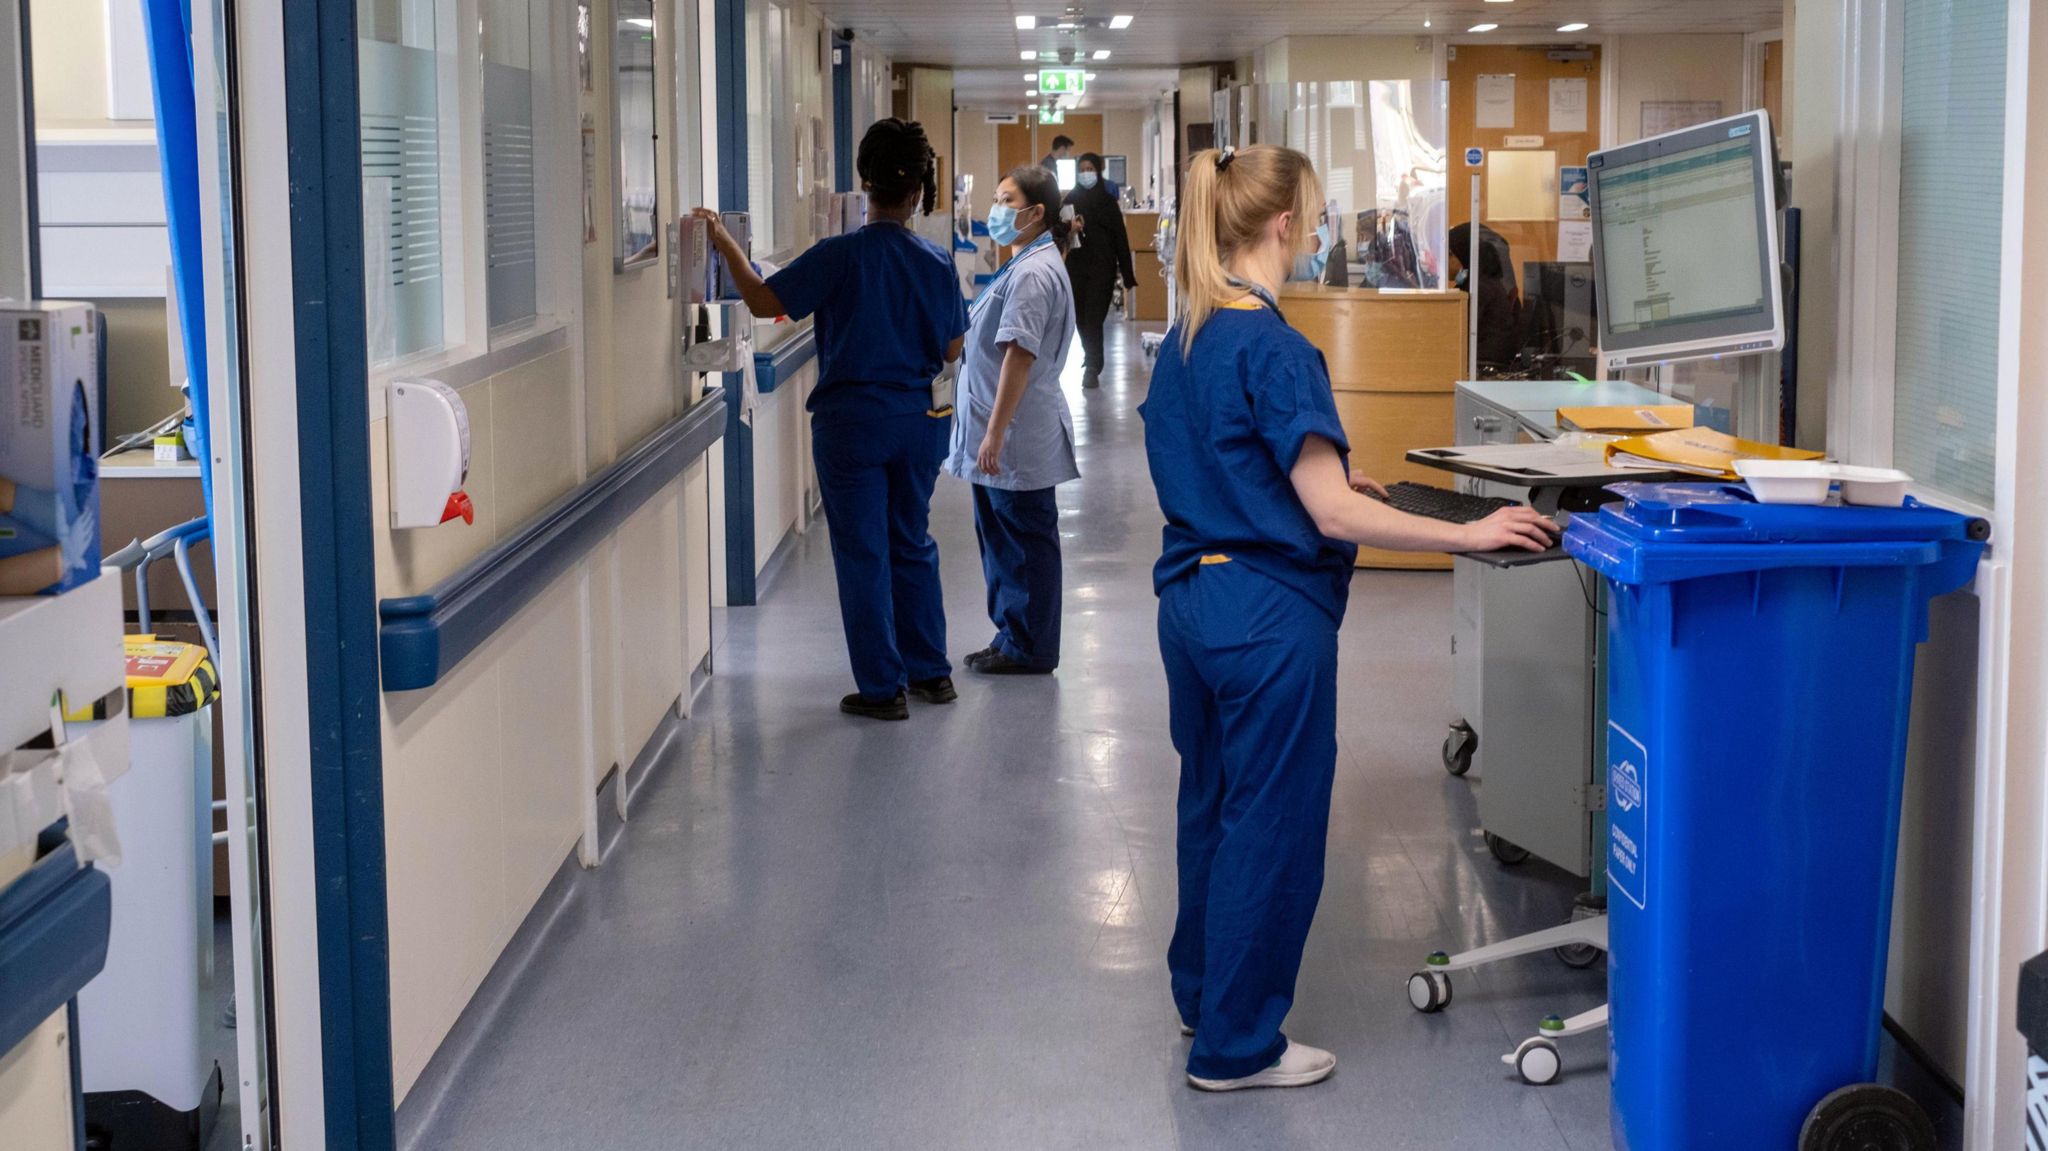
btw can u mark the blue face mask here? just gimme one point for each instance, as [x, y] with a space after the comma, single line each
[1309, 268]
[1002, 224]
[1087, 179]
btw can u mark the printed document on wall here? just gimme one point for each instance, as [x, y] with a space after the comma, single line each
[1575, 241]
[1568, 104]
[1496, 100]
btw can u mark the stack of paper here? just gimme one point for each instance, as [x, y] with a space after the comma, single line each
[1626, 419]
[1696, 451]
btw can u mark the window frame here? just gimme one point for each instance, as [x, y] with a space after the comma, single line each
[471, 348]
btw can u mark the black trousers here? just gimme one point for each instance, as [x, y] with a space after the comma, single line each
[1092, 296]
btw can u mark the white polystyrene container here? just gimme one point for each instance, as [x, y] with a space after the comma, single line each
[1787, 481]
[1872, 487]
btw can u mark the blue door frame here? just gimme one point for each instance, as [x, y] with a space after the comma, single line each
[842, 111]
[324, 158]
[729, 48]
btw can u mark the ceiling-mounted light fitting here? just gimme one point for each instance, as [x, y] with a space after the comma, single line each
[1026, 23]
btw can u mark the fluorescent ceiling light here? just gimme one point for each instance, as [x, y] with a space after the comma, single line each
[1027, 23]
[1482, 27]
[1031, 91]
[1027, 55]
[1102, 53]
[1425, 22]
[1573, 27]
[640, 21]
[1090, 75]
[1121, 21]
[1031, 76]
[1034, 107]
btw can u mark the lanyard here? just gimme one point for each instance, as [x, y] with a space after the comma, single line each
[1265, 297]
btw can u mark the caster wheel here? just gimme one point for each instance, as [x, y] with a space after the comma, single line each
[1459, 746]
[1537, 1062]
[1429, 991]
[1506, 852]
[1867, 1117]
[1580, 955]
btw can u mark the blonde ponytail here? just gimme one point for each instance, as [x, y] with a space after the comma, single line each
[1226, 201]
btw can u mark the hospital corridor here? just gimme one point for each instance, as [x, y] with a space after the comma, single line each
[1023, 575]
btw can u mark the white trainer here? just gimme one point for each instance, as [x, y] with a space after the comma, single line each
[1299, 1066]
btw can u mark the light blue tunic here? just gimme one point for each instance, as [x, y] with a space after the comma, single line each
[1031, 304]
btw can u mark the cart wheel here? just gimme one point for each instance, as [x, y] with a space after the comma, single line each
[1867, 1117]
[1537, 1062]
[1581, 955]
[1459, 746]
[1506, 852]
[1429, 991]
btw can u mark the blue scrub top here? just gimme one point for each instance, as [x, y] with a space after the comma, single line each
[887, 303]
[1223, 428]
[1031, 305]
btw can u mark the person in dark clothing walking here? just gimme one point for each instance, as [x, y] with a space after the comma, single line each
[1099, 255]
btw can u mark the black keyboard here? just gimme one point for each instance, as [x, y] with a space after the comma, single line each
[1442, 503]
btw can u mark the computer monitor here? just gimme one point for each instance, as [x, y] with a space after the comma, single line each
[1558, 314]
[1685, 244]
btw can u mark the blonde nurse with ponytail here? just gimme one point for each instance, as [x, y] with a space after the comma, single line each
[1262, 525]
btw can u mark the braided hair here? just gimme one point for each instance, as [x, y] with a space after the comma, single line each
[896, 162]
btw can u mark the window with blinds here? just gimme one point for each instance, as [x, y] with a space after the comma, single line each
[510, 208]
[402, 203]
[1951, 179]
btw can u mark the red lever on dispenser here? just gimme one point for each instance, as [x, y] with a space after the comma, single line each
[459, 505]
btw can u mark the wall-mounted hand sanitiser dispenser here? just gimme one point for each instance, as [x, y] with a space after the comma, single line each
[427, 428]
[705, 283]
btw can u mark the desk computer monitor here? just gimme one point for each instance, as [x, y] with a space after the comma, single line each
[1685, 244]
[1558, 312]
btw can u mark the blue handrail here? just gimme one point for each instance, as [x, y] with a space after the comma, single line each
[424, 636]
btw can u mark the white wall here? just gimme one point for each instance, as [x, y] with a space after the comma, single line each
[1656, 68]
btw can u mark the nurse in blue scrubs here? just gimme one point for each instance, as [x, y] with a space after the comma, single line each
[1262, 525]
[889, 316]
[1014, 438]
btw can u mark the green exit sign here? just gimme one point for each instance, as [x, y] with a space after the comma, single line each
[1052, 115]
[1062, 81]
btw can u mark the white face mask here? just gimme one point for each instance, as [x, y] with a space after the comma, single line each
[1087, 179]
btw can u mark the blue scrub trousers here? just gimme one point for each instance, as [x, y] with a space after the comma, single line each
[1251, 678]
[876, 477]
[1019, 533]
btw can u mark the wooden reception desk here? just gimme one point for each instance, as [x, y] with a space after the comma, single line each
[1395, 360]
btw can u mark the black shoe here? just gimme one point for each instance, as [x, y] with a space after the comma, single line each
[999, 664]
[938, 689]
[893, 707]
[976, 659]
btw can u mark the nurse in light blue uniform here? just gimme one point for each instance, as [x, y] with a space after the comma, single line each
[889, 315]
[1013, 438]
[1248, 458]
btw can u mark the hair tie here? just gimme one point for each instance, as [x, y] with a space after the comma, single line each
[1224, 158]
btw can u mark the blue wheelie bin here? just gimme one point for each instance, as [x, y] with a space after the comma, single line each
[1759, 680]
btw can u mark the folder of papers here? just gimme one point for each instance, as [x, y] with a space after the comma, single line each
[1696, 451]
[1624, 418]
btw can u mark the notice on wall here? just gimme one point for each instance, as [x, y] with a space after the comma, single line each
[1568, 104]
[1496, 105]
[1574, 241]
[1574, 197]
[1661, 116]
[589, 179]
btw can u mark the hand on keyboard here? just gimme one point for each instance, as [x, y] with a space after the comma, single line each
[1366, 485]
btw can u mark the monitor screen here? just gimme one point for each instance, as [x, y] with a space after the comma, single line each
[1685, 244]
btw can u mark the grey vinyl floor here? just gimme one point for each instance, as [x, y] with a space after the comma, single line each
[822, 932]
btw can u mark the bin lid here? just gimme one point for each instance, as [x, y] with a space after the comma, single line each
[1659, 533]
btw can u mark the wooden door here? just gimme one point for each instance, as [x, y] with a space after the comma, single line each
[1533, 70]
[1016, 146]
